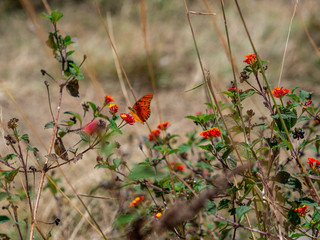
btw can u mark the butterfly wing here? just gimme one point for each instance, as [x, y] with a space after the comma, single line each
[141, 109]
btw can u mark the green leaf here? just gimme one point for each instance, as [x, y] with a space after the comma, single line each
[296, 235]
[93, 106]
[49, 125]
[281, 177]
[32, 149]
[184, 147]
[116, 162]
[10, 177]
[293, 217]
[224, 203]
[242, 210]
[304, 95]
[193, 118]
[211, 207]
[55, 16]
[25, 137]
[4, 219]
[143, 172]
[47, 16]
[207, 147]
[76, 115]
[70, 52]
[201, 84]
[9, 157]
[308, 202]
[124, 220]
[3, 195]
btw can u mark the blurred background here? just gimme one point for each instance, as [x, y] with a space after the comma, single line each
[175, 64]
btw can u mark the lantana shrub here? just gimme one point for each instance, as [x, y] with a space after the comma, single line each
[240, 173]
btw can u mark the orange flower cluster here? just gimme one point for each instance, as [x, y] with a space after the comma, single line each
[163, 125]
[280, 92]
[301, 210]
[91, 127]
[108, 99]
[127, 118]
[158, 215]
[210, 133]
[136, 201]
[311, 163]
[155, 134]
[113, 108]
[250, 59]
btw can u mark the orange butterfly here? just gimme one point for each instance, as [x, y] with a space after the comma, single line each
[141, 109]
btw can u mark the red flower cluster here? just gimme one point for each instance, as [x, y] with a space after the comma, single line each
[108, 99]
[311, 163]
[163, 125]
[280, 92]
[177, 167]
[113, 108]
[233, 89]
[250, 59]
[210, 133]
[91, 127]
[127, 118]
[301, 210]
[136, 201]
[155, 134]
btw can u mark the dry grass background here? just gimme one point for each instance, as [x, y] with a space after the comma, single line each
[176, 70]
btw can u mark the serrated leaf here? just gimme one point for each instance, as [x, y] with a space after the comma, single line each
[211, 207]
[9, 157]
[224, 203]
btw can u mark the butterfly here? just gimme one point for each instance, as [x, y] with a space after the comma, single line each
[141, 109]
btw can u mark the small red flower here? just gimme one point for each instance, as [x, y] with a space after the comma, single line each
[177, 167]
[311, 163]
[308, 103]
[250, 59]
[91, 127]
[280, 92]
[113, 108]
[158, 215]
[108, 99]
[127, 118]
[163, 125]
[233, 89]
[198, 113]
[136, 201]
[210, 133]
[155, 133]
[301, 210]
